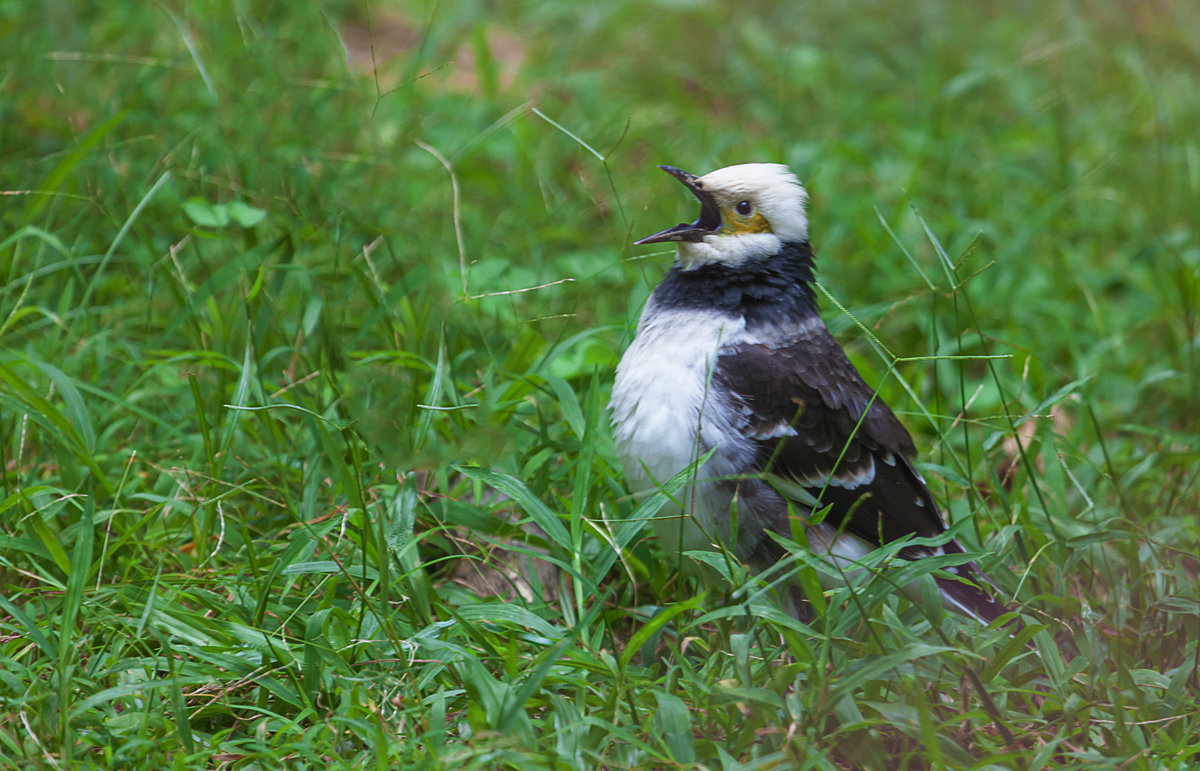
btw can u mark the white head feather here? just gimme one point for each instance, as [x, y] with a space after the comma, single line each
[773, 191]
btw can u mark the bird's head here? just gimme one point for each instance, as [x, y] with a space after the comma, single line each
[747, 212]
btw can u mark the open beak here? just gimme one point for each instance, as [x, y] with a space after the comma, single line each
[710, 213]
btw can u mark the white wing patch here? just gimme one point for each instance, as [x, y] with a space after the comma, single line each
[777, 431]
[797, 489]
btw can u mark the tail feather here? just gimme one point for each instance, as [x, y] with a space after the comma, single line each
[971, 595]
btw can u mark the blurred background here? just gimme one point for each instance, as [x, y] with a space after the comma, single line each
[295, 295]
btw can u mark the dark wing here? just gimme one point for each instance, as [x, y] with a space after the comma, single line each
[802, 404]
[816, 423]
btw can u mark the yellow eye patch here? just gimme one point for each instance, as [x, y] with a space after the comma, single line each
[755, 223]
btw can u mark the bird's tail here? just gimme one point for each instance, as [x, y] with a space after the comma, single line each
[970, 593]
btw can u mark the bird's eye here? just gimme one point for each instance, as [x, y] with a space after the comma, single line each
[744, 208]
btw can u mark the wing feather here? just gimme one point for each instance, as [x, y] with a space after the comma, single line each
[817, 424]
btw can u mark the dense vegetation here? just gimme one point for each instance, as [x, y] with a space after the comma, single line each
[308, 319]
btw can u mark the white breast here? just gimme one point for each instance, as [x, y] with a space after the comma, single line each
[667, 413]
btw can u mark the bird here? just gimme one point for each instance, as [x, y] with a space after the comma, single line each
[732, 363]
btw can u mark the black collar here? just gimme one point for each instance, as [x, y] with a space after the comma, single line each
[763, 291]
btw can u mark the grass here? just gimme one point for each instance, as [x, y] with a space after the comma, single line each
[308, 319]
